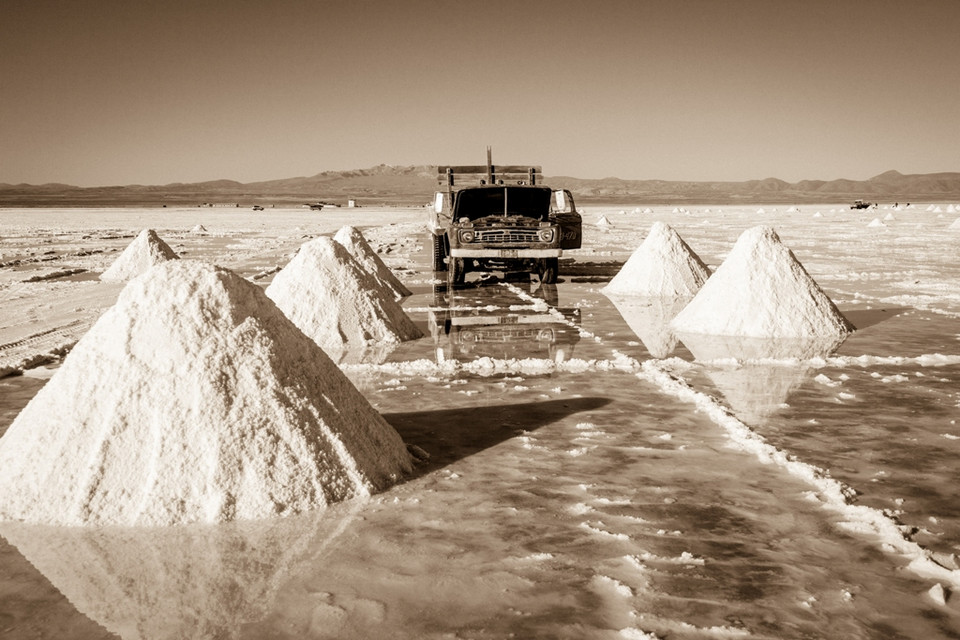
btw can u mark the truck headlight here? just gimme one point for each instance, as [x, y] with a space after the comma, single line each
[545, 235]
[466, 235]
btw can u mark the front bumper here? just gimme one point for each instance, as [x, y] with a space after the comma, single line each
[463, 252]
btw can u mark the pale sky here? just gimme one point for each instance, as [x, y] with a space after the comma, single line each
[160, 91]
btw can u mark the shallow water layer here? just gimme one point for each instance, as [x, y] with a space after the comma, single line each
[568, 495]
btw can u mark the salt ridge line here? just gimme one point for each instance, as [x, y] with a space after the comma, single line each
[493, 366]
[925, 360]
[831, 493]
[537, 302]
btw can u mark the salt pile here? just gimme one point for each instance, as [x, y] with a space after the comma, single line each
[359, 248]
[761, 290]
[889, 217]
[193, 399]
[199, 229]
[602, 221]
[336, 302]
[955, 224]
[146, 250]
[876, 222]
[663, 265]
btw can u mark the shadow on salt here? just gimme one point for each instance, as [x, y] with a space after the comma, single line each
[757, 375]
[190, 581]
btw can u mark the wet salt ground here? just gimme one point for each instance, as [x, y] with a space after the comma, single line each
[571, 504]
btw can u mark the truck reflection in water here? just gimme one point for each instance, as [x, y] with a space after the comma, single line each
[493, 322]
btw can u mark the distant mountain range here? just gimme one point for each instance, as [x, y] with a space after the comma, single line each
[385, 184]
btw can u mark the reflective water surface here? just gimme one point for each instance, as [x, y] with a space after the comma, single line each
[575, 500]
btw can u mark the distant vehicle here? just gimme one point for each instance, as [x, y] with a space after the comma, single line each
[860, 204]
[499, 219]
[257, 207]
[315, 206]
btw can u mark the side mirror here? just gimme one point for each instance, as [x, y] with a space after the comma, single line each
[438, 202]
[560, 197]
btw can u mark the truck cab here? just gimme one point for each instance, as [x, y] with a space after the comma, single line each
[502, 221]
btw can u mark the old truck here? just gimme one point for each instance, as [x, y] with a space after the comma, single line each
[500, 218]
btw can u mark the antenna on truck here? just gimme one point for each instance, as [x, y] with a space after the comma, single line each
[489, 166]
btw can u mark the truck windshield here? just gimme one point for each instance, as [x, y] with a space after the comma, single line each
[533, 202]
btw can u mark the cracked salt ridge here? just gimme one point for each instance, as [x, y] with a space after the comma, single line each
[925, 360]
[835, 495]
[494, 366]
[831, 493]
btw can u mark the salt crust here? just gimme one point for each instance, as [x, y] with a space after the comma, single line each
[146, 250]
[663, 265]
[830, 493]
[359, 248]
[193, 399]
[761, 290]
[336, 302]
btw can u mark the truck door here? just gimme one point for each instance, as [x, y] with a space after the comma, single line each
[564, 211]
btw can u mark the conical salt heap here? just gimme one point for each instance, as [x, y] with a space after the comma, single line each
[761, 290]
[663, 265]
[955, 224]
[146, 250]
[193, 399]
[335, 301]
[356, 244]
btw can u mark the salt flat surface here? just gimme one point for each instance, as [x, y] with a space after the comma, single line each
[578, 485]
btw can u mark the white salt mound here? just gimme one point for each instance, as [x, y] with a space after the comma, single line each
[146, 250]
[193, 399]
[889, 217]
[955, 224]
[199, 229]
[602, 221]
[876, 222]
[663, 265]
[359, 248]
[336, 302]
[761, 290]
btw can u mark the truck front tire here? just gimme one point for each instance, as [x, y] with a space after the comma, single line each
[457, 272]
[439, 253]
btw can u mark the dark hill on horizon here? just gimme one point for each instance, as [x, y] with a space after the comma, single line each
[415, 185]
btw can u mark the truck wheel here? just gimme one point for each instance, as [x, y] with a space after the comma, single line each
[457, 271]
[548, 270]
[439, 253]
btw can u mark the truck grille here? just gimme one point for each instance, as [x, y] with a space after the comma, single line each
[506, 235]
